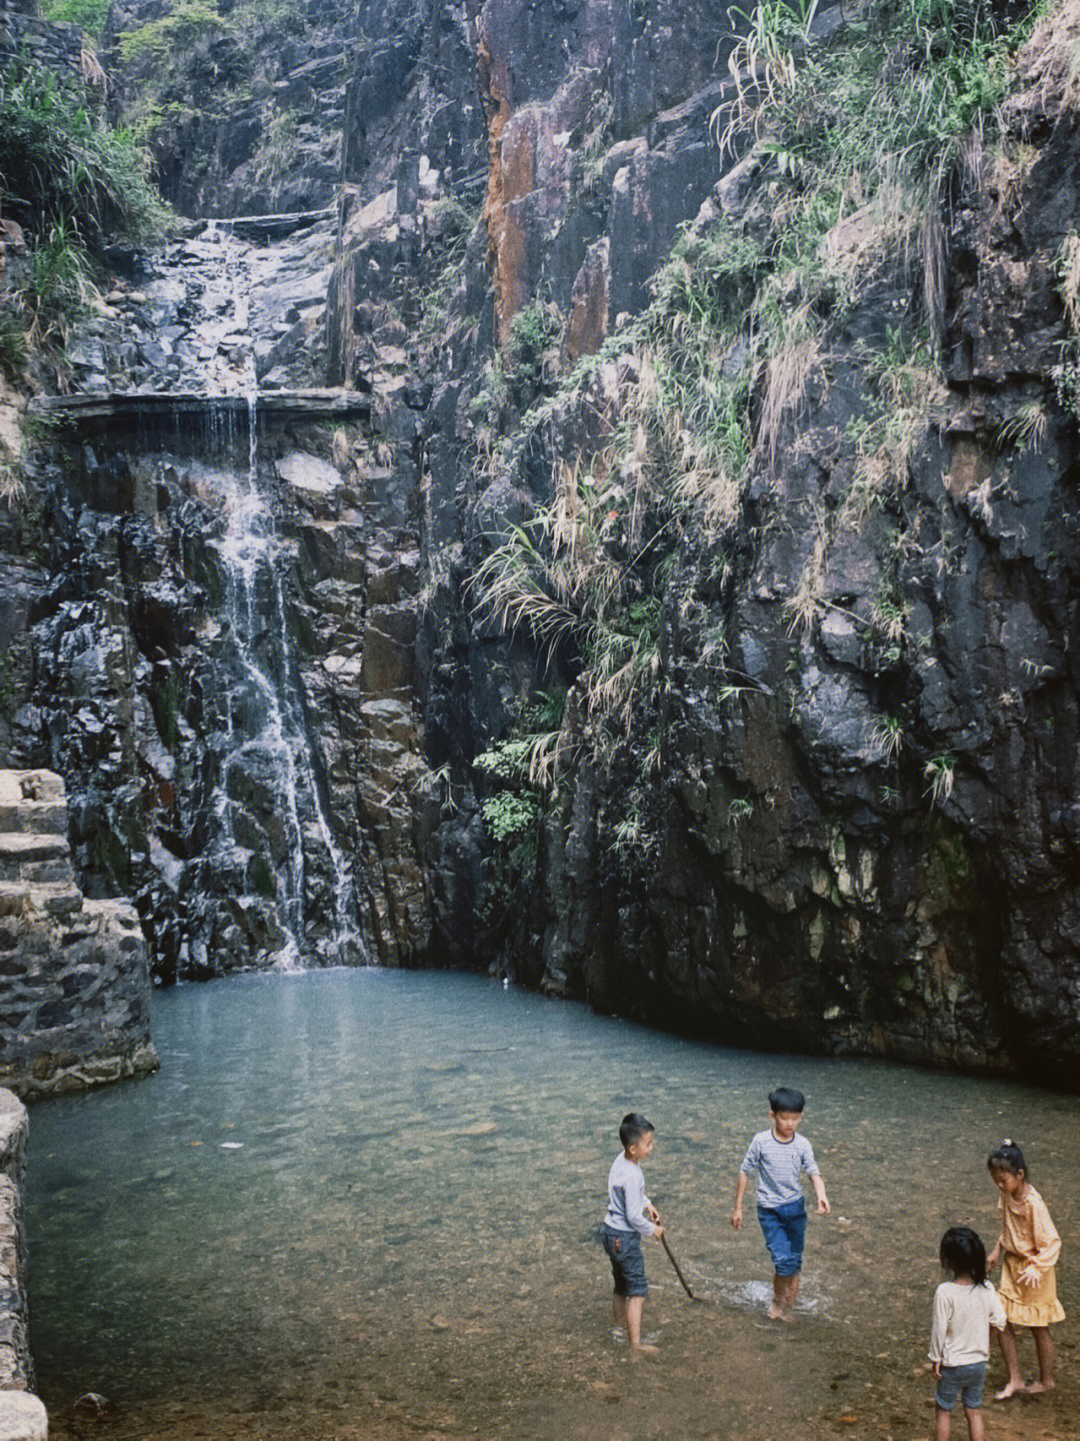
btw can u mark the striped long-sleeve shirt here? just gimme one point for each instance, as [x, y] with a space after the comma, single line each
[779, 1166]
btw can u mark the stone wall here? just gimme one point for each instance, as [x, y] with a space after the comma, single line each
[53, 46]
[76, 998]
[22, 1416]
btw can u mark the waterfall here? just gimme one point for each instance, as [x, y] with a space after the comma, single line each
[266, 749]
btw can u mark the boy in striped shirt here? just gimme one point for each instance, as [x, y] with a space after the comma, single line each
[780, 1157]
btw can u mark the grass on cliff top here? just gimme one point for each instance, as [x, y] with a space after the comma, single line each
[182, 24]
[862, 147]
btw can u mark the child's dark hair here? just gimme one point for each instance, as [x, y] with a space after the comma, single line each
[633, 1127]
[962, 1253]
[786, 1098]
[1008, 1157]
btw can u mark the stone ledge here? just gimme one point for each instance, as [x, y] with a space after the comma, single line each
[60, 1074]
[13, 1129]
[22, 1417]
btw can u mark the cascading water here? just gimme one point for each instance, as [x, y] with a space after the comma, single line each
[263, 742]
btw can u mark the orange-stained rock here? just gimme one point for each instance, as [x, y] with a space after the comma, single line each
[587, 323]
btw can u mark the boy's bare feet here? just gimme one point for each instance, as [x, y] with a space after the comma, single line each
[1014, 1388]
[637, 1352]
[774, 1312]
[1038, 1387]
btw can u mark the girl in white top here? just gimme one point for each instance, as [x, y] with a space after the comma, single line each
[964, 1310]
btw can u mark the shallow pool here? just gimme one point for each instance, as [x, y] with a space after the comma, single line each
[365, 1203]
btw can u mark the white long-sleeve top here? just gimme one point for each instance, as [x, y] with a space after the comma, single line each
[963, 1315]
[626, 1197]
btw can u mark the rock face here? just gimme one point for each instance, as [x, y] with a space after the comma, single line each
[845, 819]
[853, 832]
[76, 986]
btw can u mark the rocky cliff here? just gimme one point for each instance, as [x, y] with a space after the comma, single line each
[682, 601]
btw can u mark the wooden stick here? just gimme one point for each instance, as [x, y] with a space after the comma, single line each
[682, 1278]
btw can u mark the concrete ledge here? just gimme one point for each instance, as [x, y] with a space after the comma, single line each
[81, 406]
[22, 1417]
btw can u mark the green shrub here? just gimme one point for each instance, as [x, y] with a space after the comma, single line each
[90, 14]
[532, 331]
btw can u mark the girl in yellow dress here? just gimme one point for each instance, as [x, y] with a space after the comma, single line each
[1028, 1248]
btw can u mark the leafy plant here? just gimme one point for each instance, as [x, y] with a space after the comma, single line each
[762, 63]
[739, 809]
[509, 816]
[533, 331]
[888, 735]
[69, 180]
[7, 688]
[1026, 429]
[940, 771]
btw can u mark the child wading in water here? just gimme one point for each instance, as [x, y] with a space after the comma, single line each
[630, 1215]
[1028, 1248]
[780, 1158]
[964, 1310]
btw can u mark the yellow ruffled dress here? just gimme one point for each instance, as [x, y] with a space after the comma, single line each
[1029, 1238]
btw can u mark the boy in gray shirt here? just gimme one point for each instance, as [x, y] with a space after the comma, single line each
[630, 1215]
[780, 1157]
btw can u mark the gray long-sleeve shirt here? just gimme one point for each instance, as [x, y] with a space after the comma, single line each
[626, 1197]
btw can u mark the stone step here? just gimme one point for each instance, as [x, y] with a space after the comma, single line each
[54, 898]
[33, 857]
[37, 817]
[32, 802]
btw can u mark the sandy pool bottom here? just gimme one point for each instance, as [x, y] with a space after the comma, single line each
[723, 1373]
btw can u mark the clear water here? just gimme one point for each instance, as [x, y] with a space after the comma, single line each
[365, 1203]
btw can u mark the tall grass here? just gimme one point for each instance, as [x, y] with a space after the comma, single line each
[60, 161]
[71, 181]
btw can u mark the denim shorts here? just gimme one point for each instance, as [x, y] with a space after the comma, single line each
[965, 1382]
[627, 1262]
[785, 1235]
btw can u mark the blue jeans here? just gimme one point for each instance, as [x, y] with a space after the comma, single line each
[627, 1262]
[785, 1235]
[965, 1382]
